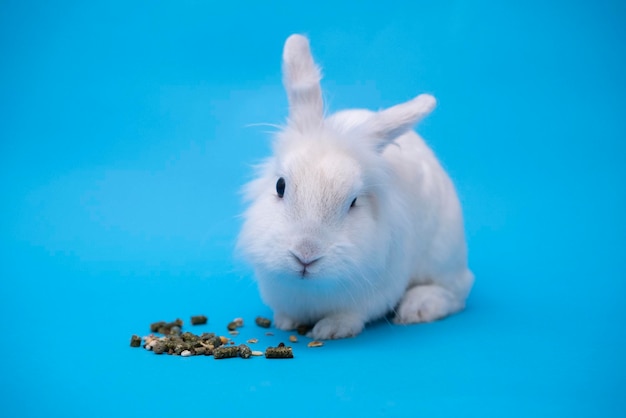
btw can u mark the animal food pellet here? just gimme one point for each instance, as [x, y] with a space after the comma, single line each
[199, 320]
[158, 348]
[263, 322]
[225, 352]
[244, 351]
[165, 328]
[315, 344]
[188, 337]
[174, 341]
[303, 329]
[281, 351]
[216, 341]
[135, 341]
[151, 343]
[154, 327]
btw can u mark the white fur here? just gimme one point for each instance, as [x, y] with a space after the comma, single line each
[320, 261]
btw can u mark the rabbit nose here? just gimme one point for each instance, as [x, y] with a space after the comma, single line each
[306, 253]
[304, 261]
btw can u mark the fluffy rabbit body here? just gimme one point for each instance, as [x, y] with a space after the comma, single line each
[352, 217]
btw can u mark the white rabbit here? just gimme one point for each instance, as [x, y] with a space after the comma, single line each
[352, 217]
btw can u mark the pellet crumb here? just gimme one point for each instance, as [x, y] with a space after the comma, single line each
[256, 353]
[233, 332]
[252, 341]
[315, 344]
[185, 353]
[135, 341]
[199, 320]
[159, 348]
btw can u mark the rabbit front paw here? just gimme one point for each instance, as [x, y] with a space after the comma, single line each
[337, 326]
[426, 303]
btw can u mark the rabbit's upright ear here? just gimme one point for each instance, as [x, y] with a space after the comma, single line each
[301, 78]
[390, 123]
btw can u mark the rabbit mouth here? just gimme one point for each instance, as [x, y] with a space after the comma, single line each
[306, 273]
[305, 264]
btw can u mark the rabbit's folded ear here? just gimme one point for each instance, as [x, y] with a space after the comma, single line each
[390, 123]
[301, 78]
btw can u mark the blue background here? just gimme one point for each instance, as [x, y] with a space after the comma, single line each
[128, 128]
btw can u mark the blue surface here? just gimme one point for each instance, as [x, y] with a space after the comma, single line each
[125, 136]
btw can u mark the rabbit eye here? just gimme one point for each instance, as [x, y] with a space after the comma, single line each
[280, 187]
[353, 203]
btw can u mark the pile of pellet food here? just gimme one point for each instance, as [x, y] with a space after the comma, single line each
[173, 341]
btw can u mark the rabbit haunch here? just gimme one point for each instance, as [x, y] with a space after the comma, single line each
[323, 261]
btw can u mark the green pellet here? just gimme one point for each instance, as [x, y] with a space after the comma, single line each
[167, 328]
[225, 352]
[244, 351]
[263, 322]
[199, 320]
[154, 327]
[215, 341]
[205, 336]
[281, 351]
[303, 329]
